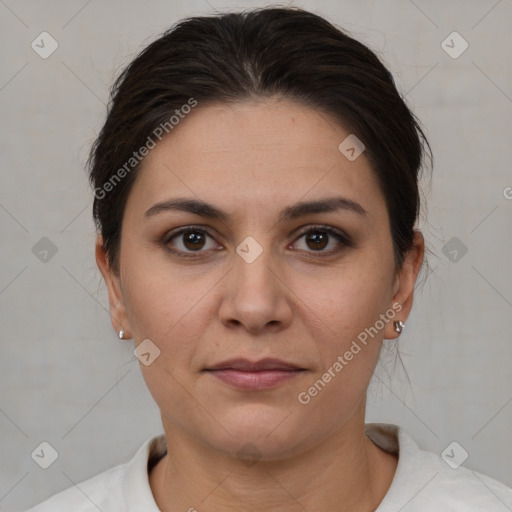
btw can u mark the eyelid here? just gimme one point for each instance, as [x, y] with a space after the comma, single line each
[188, 227]
[324, 227]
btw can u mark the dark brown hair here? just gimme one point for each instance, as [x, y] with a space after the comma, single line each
[270, 52]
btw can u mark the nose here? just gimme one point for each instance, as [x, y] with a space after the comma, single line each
[255, 296]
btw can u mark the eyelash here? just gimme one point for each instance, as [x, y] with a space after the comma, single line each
[339, 235]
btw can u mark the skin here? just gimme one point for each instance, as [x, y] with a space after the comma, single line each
[252, 159]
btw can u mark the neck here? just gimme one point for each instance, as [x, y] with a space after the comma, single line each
[345, 472]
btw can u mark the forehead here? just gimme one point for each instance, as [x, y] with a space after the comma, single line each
[253, 155]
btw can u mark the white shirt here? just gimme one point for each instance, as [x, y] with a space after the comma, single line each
[423, 482]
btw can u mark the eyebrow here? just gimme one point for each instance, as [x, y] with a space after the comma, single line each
[204, 209]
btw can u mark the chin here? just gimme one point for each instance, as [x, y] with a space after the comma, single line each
[271, 431]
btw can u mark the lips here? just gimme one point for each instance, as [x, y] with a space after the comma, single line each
[255, 375]
[248, 366]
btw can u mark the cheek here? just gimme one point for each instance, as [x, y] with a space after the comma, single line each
[347, 348]
[157, 295]
[343, 313]
[171, 312]
[350, 299]
[171, 308]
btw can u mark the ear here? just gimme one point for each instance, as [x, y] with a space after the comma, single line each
[404, 284]
[118, 315]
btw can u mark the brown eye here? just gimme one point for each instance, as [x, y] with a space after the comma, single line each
[317, 240]
[193, 240]
[189, 240]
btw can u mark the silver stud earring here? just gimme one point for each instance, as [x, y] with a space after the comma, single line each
[121, 334]
[399, 325]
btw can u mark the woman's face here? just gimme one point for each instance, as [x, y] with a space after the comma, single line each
[252, 279]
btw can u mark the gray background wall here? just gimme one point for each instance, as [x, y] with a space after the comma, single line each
[67, 380]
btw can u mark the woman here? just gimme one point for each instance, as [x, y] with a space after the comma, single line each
[256, 194]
